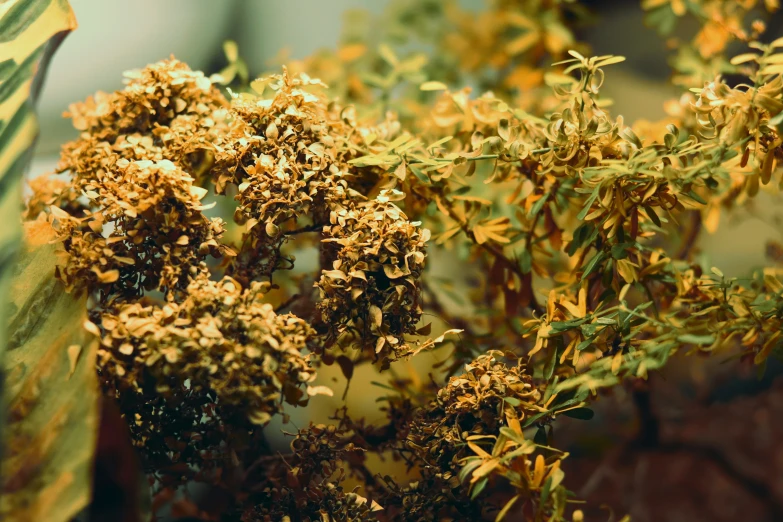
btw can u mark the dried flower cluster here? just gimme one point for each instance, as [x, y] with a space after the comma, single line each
[569, 238]
[308, 486]
[372, 289]
[477, 403]
[471, 407]
[225, 340]
[165, 112]
[156, 233]
[286, 165]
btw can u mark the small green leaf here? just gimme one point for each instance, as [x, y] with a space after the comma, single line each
[468, 468]
[580, 413]
[420, 175]
[620, 251]
[537, 206]
[478, 488]
[512, 435]
[525, 261]
[540, 437]
[551, 362]
[593, 264]
[545, 491]
[696, 197]
[652, 215]
[696, 339]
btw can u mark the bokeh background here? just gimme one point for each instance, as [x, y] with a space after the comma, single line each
[114, 37]
[713, 449]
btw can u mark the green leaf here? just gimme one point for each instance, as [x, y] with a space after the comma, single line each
[580, 413]
[580, 235]
[30, 31]
[525, 261]
[468, 468]
[628, 135]
[593, 264]
[533, 418]
[540, 437]
[478, 488]
[551, 362]
[545, 491]
[419, 174]
[696, 197]
[589, 203]
[537, 206]
[663, 19]
[696, 339]
[652, 215]
[562, 326]
[51, 393]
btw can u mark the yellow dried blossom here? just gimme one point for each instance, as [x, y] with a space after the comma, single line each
[225, 340]
[286, 163]
[371, 291]
[48, 190]
[485, 397]
[166, 111]
[148, 232]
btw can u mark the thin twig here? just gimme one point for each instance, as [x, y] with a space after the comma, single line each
[304, 230]
[689, 241]
[285, 304]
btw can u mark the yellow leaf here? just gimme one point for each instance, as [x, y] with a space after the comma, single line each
[773, 283]
[503, 512]
[478, 450]
[433, 86]
[627, 270]
[538, 471]
[484, 470]
[231, 50]
[522, 43]
[351, 52]
[617, 362]
[512, 420]
[377, 316]
[743, 58]
[312, 391]
[712, 219]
